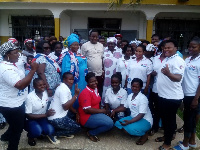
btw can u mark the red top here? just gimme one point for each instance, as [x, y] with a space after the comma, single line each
[89, 98]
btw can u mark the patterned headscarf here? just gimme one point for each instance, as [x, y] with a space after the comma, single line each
[137, 42]
[13, 40]
[28, 40]
[112, 39]
[71, 39]
[7, 46]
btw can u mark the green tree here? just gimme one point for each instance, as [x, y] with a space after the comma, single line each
[115, 4]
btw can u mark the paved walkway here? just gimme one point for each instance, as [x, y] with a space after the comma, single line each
[112, 140]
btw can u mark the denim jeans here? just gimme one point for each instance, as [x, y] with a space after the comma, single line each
[15, 118]
[37, 127]
[99, 123]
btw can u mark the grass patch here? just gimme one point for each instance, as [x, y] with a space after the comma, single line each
[180, 114]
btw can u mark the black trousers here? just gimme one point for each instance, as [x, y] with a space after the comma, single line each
[167, 110]
[15, 117]
[153, 105]
[189, 116]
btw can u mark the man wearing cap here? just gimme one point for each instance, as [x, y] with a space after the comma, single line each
[119, 40]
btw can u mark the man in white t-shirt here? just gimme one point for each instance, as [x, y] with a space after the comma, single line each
[61, 103]
[94, 50]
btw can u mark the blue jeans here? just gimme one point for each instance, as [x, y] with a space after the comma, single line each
[37, 127]
[99, 123]
[15, 118]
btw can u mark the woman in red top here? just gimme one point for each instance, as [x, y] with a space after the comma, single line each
[91, 116]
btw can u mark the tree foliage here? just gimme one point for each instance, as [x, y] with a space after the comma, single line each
[115, 4]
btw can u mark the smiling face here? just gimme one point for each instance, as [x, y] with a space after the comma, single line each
[92, 83]
[135, 87]
[139, 52]
[13, 56]
[94, 37]
[111, 46]
[74, 47]
[40, 86]
[169, 49]
[194, 48]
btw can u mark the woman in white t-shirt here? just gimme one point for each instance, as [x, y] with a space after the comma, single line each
[62, 103]
[140, 120]
[13, 92]
[115, 97]
[122, 63]
[140, 67]
[36, 106]
[191, 89]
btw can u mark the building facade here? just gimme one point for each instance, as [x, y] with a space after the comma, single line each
[33, 18]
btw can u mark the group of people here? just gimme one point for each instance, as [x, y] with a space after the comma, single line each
[54, 88]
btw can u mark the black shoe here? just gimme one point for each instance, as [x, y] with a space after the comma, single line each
[31, 141]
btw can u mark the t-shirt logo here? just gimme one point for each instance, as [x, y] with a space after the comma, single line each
[192, 68]
[144, 65]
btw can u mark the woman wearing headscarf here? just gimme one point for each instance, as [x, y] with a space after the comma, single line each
[74, 62]
[13, 92]
[111, 56]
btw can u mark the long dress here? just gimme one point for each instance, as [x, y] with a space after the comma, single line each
[110, 63]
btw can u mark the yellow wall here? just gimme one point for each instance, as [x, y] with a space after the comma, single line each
[174, 2]
[4, 39]
[149, 30]
[57, 27]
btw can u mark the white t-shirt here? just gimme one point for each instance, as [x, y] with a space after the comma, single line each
[94, 55]
[9, 95]
[35, 105]
[22, 60]
[167, 88]
[157, 62]
[139, 105]
[139, 70]
[61, 96]
[115, 100]
[122, 66]
[191, 78]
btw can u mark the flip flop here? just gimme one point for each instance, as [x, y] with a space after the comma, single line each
[160, 139]
[93, 137]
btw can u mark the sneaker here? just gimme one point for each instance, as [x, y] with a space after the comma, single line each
[67, 136]
[53, 139]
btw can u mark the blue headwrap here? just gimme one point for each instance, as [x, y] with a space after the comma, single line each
[71, 39]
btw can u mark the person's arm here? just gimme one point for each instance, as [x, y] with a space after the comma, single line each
[171, 76]
[94, 111]
[49, 113]
[195, 101]
[22, 84]
[147, 84]
[135, 119]
[121, 108]
[69, 103]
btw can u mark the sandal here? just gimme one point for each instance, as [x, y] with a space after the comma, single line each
[152, 132]
[162, 148]
[93, 137]
[31, 142]
[180, 130]
[160, 139]
[141, 142]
